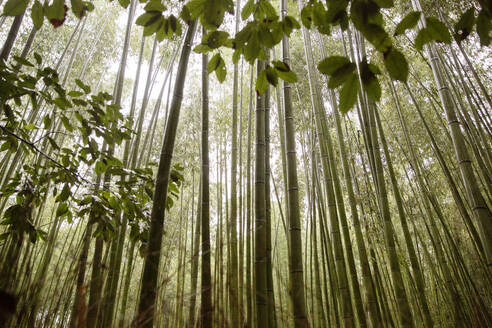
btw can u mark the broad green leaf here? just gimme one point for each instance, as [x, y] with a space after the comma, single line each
[147, 18]
[83, 86]
[377, 36]
[236, 55]
[266, 10]
[64, 194]
[37, 14]
[307, 16]
[124, 3]
[248, 9]
[341, 75]
[213, 63]
[75, 93]
[155, 5]
[290, 23]
[369, 80]
[221, 71]
[266, 36]
[100, 167]
[437, 30]
[62, 209]
[396, 65]
[154, 24]
[15, 7]
[47, 122]
[331, 64]
[195, 7]
[216, 39]
[271, 76]
[384, 3]
[261, 82]
[78, 8]
[408, 22]
[423, 37]
[284, 72]
[484, 27]
[348, 94]
[464, 26]
[373, 89]
[38, 58]
[56, 11]
[202, 48]
[23, 61]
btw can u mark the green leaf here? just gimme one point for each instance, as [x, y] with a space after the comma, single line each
[284, 72]
[261, 82]
[213, 63]
[348, 94]
[484, 27]
[341, 75]
[221, 71]
[155, 5]
[100, 167]
[75, 93]
[154, 24]
[423, 37]
[62, 209]
[373, 89]
[307, 16]
[38, 58]
[271, 76]
[64, 194]
[124, 3]
[66, 123]
[37, 15]
[331, 64]
[377, 36]
[202, 48]
[216, 39]
[464, 26]
[265, 9]
[396, 65]
[369, 80]
[56, 11]
[15, 7]
[30, 126]
[384, 3]
[437, 30]
[146, 18]
[408, 22]
[78, 8]
[83, 86]
[23, 61]
[248, 9]
[195, 7]
[47, 122]
[289, 24]
[236, 55]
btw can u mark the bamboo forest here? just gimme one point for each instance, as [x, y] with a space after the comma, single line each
[245, 163]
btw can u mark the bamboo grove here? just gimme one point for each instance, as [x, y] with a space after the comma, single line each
[260, 163]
